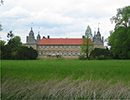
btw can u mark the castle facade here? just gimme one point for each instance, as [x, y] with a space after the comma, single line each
[61, 47]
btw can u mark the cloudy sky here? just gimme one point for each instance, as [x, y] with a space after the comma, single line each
[58, 18]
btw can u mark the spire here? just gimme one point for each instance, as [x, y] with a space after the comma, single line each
[31, 33]
[98, 32]
[38, 37]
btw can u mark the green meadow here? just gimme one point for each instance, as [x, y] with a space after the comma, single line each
[58, 75]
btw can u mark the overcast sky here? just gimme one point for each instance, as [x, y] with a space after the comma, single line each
[58, 18]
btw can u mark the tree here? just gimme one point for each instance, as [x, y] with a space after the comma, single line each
[87, 42]
[100, 54]
[119, 39]
[2, 44]
[15, 42]
[14, 49]
[122, 18]
[25, 53]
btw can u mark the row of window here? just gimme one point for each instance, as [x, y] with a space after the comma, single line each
[59, 46]
[59, 53]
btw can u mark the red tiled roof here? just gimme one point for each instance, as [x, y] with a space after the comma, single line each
[61, 41]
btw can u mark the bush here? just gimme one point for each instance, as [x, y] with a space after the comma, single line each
[82, 57]
[100, 54]
[25, 53]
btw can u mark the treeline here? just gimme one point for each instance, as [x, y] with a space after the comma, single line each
[15, 50]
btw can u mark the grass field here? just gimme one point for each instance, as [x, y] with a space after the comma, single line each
[65, 79]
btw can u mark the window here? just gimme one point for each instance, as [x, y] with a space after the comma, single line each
[78, 54]
[69, 46]
[57, 52]
[49, 52]
[60, 46]
[53, 53]
[69, 54]
[64, 53]
[44, 53]
[39, 46]
[78, 46]
[47, 46]
[39, 53]
[56, 47]
[51, 46]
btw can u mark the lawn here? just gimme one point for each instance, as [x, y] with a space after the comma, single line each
[66, 76]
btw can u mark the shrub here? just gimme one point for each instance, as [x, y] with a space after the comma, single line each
[82, 57]
[100, 54]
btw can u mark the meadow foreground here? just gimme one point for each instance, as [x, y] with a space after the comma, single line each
[65, 79]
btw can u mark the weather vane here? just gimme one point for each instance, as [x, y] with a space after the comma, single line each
[31, 25]
[38, 30]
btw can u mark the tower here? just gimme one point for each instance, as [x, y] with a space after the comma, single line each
[97, 41]
[38, 37]
[31, 38]
[31, 41]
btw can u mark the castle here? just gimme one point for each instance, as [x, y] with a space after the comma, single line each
[61, 47]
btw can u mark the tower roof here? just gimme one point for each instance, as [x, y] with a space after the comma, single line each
[98, 32]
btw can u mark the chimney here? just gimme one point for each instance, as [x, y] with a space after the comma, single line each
[44, 37]
[83, 37]
[48, 37]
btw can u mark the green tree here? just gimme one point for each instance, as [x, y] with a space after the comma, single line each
[2, 44]
[25, 53]
[87, 42]
[119, 39]
[15, 42]
[98, 54]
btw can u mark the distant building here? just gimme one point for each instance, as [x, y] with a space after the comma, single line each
[60, 47]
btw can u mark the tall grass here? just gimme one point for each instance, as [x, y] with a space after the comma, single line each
[65, 79]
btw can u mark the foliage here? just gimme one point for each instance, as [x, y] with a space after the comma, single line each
[25, 53]
[15, 42]
[2, 44]
[16, 50]
[122, 18]
[87, 46]
[100, 54]
[82, 57]
[119, 39]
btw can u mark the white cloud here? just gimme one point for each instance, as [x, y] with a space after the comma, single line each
[58, 18]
